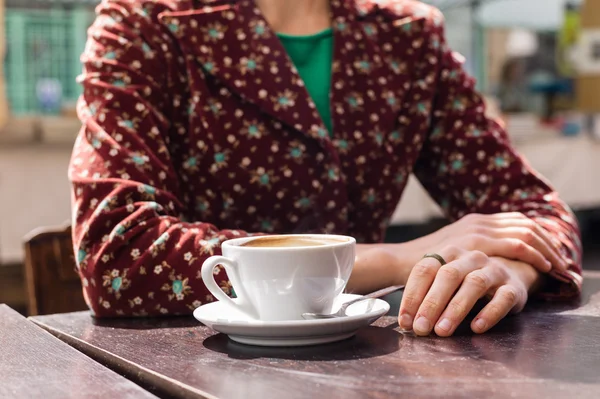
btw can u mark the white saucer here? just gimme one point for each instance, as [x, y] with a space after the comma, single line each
[242, 329]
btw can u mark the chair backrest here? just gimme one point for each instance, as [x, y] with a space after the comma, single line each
[53, 285]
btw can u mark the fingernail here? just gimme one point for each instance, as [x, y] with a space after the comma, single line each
[406, 321]
[480, 324]
[549, 265]
[445, 325]
[422, 325]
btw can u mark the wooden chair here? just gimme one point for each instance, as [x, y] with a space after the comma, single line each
[52, 282]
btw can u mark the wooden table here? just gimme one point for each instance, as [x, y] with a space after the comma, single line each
[34, 364]
[549, 351]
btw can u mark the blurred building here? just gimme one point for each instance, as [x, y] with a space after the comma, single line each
[44, 41]
[589, 60]
[3, 101]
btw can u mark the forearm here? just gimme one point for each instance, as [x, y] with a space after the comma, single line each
[135, 255]
[373, 269]
[381, 265]
[151, 269]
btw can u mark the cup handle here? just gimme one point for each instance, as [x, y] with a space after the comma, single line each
[209, 281]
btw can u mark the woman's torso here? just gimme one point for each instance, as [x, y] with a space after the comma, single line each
[250, 149]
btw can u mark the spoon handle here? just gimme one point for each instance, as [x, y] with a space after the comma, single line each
[376, 294]
[384, 291]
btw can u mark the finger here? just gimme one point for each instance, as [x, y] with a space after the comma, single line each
[420, 279]
[490, 219]
[519, 220]
[474, 287]
[552, 250]
[524, 234]
[511, 248]
[555, 245]
[504, 216]
[527, 223]
[506, 298]
[447, 281]
[531, 237]
[555, 256]
[516, 219]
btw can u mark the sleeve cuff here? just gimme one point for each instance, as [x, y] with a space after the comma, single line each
[562, 286]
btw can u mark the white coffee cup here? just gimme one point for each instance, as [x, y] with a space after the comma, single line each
[302, 273]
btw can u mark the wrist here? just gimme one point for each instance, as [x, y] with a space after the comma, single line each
[532, 278]
[373, 269]
[382, 265]
[377, 266]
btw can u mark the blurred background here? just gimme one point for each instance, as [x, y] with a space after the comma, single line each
[536, 61]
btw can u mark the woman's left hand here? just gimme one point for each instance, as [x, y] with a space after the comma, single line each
[438, 298]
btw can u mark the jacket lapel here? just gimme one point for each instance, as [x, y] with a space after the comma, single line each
[234, 44]
[370, 75]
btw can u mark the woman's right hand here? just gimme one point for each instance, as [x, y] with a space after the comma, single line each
[438, 297]
[512, 236]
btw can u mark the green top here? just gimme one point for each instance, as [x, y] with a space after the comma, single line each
[312, 55]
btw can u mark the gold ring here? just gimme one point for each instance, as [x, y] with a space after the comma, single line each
[436, 257]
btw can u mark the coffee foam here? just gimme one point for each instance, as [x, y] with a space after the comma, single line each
[289, 242]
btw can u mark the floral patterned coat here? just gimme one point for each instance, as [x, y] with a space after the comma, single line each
[197, 128]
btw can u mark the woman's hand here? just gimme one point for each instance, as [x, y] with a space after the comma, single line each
[511, 236]
[507, 235]
[438, 298]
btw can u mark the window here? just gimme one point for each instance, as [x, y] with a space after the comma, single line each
[42, 59]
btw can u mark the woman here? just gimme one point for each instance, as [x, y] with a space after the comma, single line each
[208, 121]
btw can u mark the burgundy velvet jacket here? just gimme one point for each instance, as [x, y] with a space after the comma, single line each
[197, 128]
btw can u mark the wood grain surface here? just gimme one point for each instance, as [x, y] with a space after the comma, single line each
[34, 364]
[548, 351]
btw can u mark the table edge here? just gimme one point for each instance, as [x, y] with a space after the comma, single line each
[142, 376]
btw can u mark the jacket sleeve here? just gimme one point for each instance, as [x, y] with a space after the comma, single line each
[468, 165]
[135, 253]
